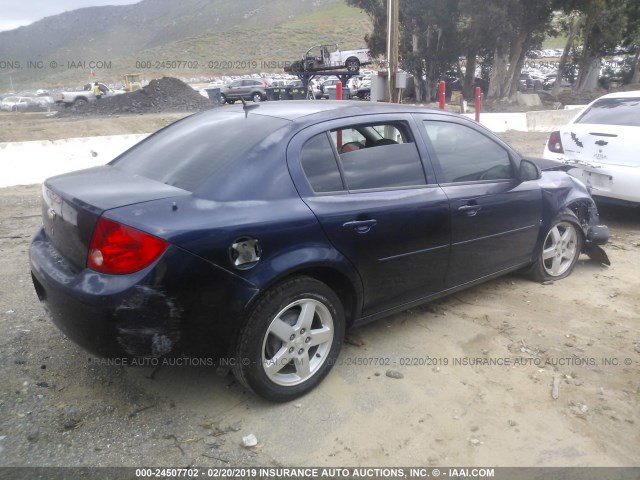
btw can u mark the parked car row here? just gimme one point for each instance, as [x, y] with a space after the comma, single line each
[255, 89]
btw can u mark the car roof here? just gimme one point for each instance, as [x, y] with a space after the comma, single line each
[631, 94]
[295, 110]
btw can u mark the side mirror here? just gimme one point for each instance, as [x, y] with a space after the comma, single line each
[529, 171]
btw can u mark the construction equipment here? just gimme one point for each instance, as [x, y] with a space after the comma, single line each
[132, 82]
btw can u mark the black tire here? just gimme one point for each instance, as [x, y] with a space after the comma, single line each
[367, 96]
[80, 102]
[282, 368]
[561, 253]
[352, 64]
[223, 99]
[231, 102]
[256, 97]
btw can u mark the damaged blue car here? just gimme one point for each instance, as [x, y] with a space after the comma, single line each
[259, 233]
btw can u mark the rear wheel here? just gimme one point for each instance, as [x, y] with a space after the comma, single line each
[223, 99]
[257, 97]
[80, 102]
[291, 339]
[352, 64]
[560, 249]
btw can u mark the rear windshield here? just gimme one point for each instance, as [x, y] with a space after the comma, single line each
[189, 152]
[613, 111]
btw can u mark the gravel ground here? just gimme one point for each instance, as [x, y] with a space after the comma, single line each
[59, 407]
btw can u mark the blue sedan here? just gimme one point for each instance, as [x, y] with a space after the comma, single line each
[259, 233]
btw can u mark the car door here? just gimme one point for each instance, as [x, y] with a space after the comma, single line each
[365, 182]
[235, 90]
[23, 104]
[495, 218]
[246, 88]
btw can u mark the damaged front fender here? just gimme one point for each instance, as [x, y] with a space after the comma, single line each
[561, 191]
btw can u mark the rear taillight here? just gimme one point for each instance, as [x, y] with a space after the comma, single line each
[555, 144]
[118, 249]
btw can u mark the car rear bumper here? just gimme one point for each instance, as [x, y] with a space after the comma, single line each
[611, 181]
[150, 313]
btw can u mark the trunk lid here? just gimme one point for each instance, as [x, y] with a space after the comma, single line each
[72, 204]
[601, 144]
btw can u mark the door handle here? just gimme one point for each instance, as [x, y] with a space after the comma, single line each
[471, 210]
[360, 226]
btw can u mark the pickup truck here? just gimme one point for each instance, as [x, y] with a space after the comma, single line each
[84, 96]
[320, 57]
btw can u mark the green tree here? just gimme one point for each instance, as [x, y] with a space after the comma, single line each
[429, 42]
[605, 26]
[631, 38]
[435, 33]
[519, 26]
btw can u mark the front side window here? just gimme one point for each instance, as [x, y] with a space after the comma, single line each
[466, 155]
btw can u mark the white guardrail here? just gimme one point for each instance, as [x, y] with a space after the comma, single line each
[25, 163]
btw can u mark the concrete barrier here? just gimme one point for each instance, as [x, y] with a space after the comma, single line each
[548, 120]
[534, 121]
[501, 122]
[24, 163]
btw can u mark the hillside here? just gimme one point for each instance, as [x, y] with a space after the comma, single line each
[191, 39]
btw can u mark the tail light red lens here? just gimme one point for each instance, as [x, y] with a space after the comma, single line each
[119, 249]
[555, 143]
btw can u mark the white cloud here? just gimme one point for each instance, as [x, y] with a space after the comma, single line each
[25, 12]
[6, 24]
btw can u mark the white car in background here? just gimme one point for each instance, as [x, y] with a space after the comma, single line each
[603, 143]
[18, 104]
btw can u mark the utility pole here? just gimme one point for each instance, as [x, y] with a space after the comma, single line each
[392, 49]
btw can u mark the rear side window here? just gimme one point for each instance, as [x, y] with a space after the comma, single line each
[466, 155]
[189, 152]
[613, 111]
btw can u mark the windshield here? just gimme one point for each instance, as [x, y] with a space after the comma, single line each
[613, 111]
[189, 152]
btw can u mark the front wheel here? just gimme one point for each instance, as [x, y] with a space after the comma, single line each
[291, 339]
[256, 97]
[560, 249]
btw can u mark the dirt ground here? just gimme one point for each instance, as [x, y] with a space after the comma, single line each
[478, 371]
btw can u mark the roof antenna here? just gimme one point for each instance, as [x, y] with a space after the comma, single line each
[247, 108]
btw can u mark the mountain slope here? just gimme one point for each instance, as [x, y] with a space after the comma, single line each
[207, 30]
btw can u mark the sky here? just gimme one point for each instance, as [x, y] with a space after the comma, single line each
[16, 13]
